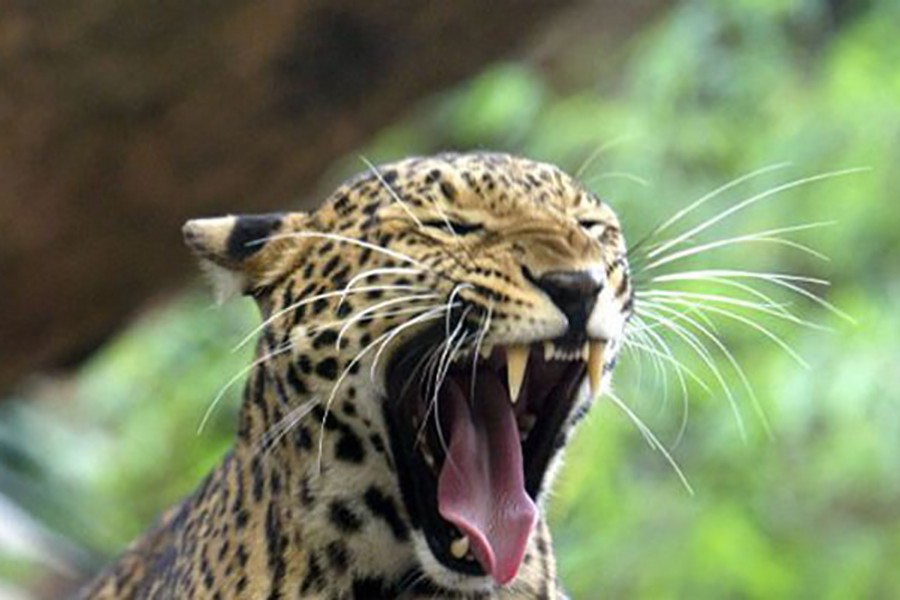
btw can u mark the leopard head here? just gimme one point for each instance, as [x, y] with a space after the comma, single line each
[470, 306]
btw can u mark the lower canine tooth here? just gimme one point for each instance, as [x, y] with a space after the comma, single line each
[595, 365]
[516, 361]
[459, 547]
[429, 459]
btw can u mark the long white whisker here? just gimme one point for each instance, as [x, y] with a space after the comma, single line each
[709, 196]
[742, 319]
[593, 156]
[341, 238]
[697, 346]
[665, 351]
[274, 435]
[651, 439]
[432, 312]
[361, 314]
[375, 273]
[759, 236]
[771, 309]
[443, 375]
[212, 405]
[390, 190]
[450, 300]
[658, 367]
[324, 295]
[742, 376]
[752, 291]
[339, 382]
[746, 203]
[617, 175]
[780, 279]
[482, 332]
[656, 345]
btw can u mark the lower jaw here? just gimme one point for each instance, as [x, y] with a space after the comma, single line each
[420, 498]
[418, 480]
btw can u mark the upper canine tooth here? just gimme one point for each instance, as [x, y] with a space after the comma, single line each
[485, 352]
[595, 365]
[585, 351]
[548, 350]
[516, 361]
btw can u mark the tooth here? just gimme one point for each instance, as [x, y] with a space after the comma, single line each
[595, 365]
[585, 351]
[516, 360]
[459, 547]
[485, 352]
[429, 459]
[548, 350]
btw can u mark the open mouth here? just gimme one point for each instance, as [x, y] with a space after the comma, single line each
[472, 454]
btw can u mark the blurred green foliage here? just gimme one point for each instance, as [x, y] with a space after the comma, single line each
[805, 508]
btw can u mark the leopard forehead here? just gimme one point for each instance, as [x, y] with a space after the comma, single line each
[487, 188]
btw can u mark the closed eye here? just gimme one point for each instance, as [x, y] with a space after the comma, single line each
[591, 224]
[457, 227]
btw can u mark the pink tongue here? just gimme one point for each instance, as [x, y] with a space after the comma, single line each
[481, 486]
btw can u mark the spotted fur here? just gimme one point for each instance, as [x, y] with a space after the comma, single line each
[307, 503]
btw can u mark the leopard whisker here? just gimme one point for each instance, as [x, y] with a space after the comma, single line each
[340, 380]
[280, 429]
[341, 238]
[768, 236]
[774, 310]
[597, 152]
[396, 331]
[752, 291]
[361, 314]
[742, 319]
[732, 360]
[783, 280]
[726, 352]
[376, 272]
[651, 439]
[324, 295]
[705, 198]
[482, 332]
[662, 379]
[651, 311]
[237, 377]
[393, 193]
[747, 203]
[640, 348]
[450, 300]
[447, 357]
[380, 315]
[661, 345]
[617, 175]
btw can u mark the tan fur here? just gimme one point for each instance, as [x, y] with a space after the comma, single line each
[307, 502]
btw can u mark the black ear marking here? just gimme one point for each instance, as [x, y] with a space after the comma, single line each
[249, 232]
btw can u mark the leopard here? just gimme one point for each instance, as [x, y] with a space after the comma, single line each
[430, 337]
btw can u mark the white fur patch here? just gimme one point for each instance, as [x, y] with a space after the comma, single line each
[226, 283]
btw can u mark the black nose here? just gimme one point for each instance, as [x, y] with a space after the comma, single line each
[574, 292]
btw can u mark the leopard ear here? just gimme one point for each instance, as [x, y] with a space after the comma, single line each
[241, 253]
